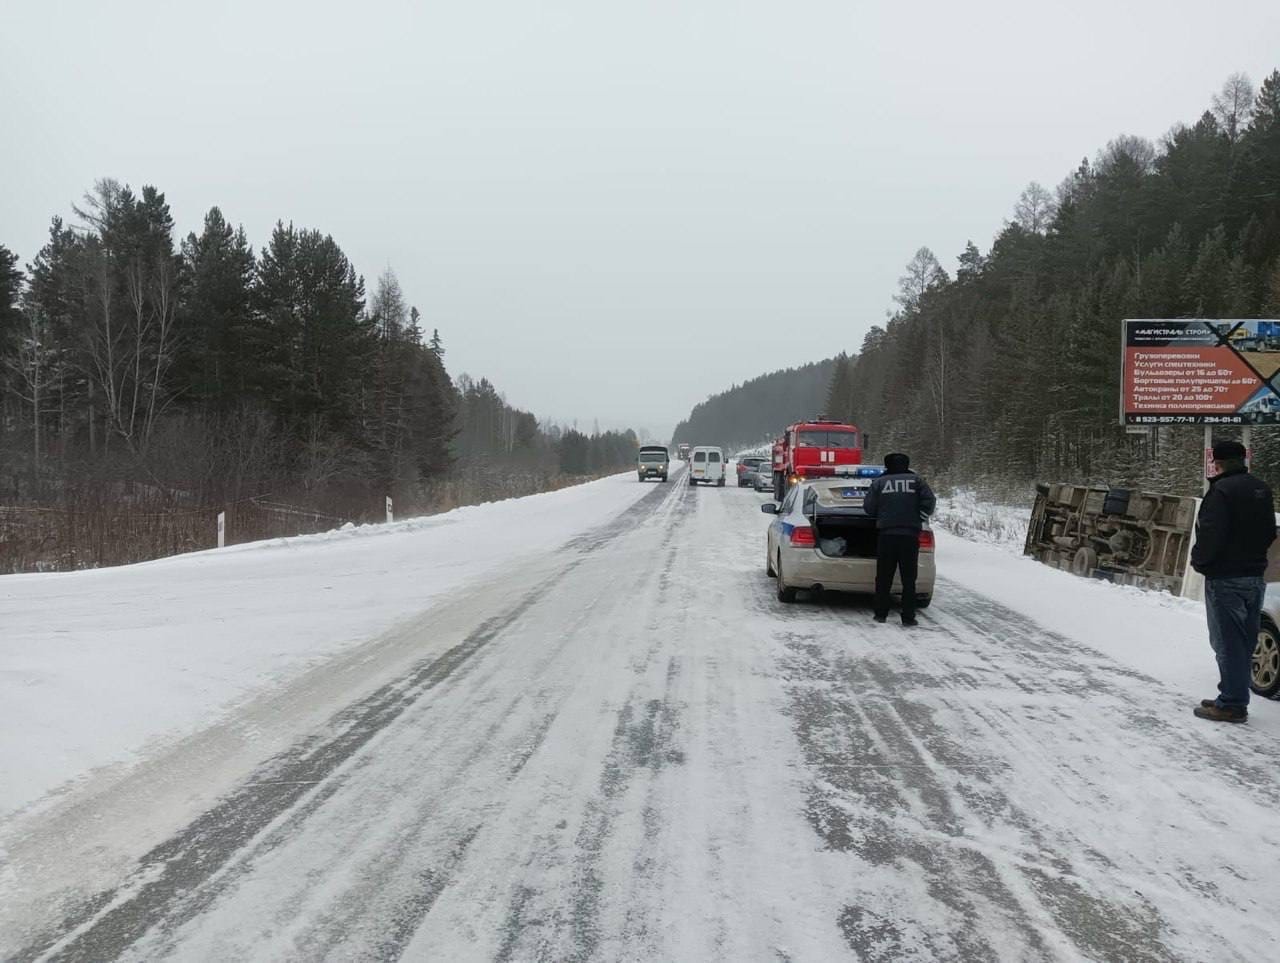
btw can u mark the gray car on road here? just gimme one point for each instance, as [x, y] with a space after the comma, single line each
[749, 467]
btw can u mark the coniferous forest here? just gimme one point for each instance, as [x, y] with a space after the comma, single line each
[1008, 370]
[149, 380]
[752, 413]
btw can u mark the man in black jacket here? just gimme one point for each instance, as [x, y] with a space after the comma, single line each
[899, 501]
[1235, 527]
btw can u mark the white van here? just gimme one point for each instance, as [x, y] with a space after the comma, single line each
[706, 465]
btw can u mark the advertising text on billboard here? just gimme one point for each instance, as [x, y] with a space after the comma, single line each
[1201, 372]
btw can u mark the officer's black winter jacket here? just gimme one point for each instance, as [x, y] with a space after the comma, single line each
[1236, 526]
[899, 503]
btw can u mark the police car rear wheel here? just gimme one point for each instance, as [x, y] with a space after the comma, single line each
[785, 594]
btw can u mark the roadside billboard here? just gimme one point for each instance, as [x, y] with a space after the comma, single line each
[1201, 372]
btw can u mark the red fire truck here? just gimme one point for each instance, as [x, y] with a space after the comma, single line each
[811, 449]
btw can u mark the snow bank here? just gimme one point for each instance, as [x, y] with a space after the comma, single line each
[966, 514]
[95, 665]
[1158, 634]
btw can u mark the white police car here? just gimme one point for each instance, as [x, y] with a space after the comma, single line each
[822, 540]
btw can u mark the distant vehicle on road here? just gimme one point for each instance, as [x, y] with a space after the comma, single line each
[707, 466]
[653, 462]
[822, 540]
[682, 451]
[749, 467]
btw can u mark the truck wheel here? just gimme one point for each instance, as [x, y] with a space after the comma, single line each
[693, 482]
[922, 601]
[720, 483]
[785, 593]
[1084, 562]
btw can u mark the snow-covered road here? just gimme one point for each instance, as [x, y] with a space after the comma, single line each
[628, 749]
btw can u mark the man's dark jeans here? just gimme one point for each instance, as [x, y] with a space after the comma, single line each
[897, 553]
[1234, 607]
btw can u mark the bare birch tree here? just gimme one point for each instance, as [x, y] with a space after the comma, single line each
[130, 331]
[1035, 209]
[32, 369]
[923, 273]
[1233, 104]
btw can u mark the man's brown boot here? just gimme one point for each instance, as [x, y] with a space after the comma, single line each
[1217, 713]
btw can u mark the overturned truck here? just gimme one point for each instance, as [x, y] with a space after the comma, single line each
[1130, 537]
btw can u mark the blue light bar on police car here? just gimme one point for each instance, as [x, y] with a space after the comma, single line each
[859, 471]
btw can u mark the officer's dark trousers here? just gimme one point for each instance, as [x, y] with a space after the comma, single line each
[901, 554]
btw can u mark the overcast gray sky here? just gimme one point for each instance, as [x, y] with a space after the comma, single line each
[610, 209]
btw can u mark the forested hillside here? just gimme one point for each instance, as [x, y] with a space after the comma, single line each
[144, 377]
[1010, 368]
[757, 410]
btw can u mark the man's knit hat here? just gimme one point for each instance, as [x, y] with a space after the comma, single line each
[1225, 450]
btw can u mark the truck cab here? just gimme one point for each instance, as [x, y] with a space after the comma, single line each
[814, 449]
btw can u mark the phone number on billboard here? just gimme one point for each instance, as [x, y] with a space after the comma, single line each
[1185, 420]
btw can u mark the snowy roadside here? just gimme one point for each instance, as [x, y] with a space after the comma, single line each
[97, 666]
[1160, 635]
[975, 519]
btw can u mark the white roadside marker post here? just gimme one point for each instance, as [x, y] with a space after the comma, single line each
[222, 529]
[390, 516]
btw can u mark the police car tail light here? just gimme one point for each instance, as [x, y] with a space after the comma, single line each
[926, 541]
[802, 535]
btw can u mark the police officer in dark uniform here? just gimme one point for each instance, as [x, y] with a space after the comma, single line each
[899, 501]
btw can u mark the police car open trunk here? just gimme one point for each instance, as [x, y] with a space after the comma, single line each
[842, 528]
[841, 536]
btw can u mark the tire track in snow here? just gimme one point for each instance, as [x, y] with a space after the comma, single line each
[300, 778]
[372, 885]
[873, 788]
[1074, 668]
[642, 745]
[395, 880]
[169, 887]
[895, 785]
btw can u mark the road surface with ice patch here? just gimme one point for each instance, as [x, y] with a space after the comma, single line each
[629, 749]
